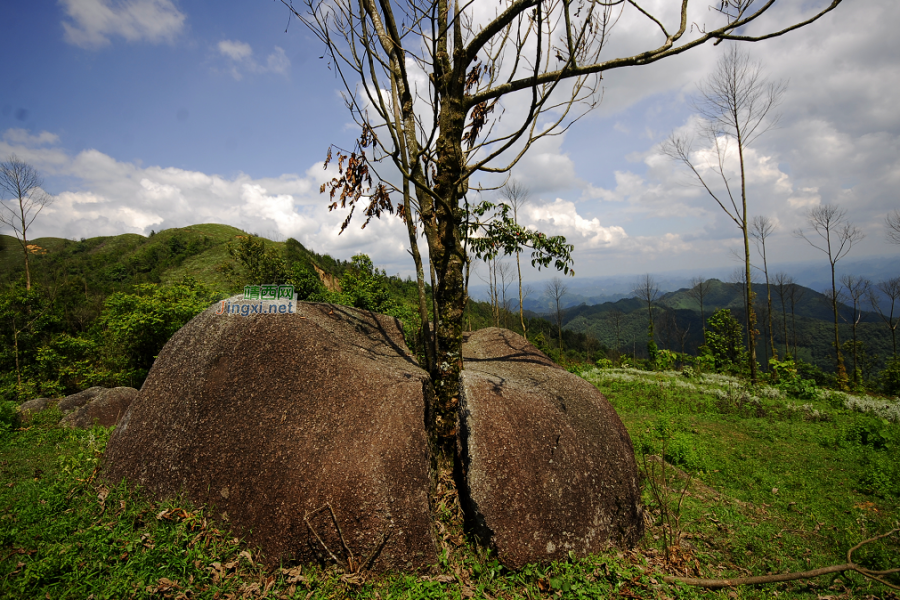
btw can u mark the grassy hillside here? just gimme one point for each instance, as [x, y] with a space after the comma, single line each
[737, 479]
[101, 308]
[771, 484]
[107, 264]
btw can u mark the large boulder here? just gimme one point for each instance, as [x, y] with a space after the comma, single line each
[66, 405]
[548, 466]
[29, 408]
[79, 399]
[270, 417]
[106, 409]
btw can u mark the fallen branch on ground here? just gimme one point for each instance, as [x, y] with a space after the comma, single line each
[848, 566]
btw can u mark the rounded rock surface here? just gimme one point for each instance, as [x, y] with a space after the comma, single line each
[271, 417]
[548, 465]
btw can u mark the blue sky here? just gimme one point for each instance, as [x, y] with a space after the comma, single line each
[149, 114]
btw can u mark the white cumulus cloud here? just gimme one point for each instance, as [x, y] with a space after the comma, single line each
[104, 196]
[92, 23]
[239, 56]
[563, 219]
[235, 50]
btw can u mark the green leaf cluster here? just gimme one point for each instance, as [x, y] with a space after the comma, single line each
[501, 234]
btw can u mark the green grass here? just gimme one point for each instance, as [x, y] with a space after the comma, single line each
[796, 482]
[778, 485]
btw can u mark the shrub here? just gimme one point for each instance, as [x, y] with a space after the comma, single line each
[725, 342]
[791, 382]
[869, 432]
[364, 286]
[138, 325]
[814, 373]
[665, 359]
[890, 377]
[9, 417]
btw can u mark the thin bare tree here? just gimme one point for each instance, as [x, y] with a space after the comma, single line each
[23, 199]
[763, 310]
[647, 290]
[498, 280]
[834, 236]
[556, 289]
[735, 103]
[891, 289]
[700, 287]
[504, 271]
[429, 83]
[615, 317]
[782, 282]
[739, 277]
[857, 287]
[527, 290]
[760, 231]
[516, 196]
[892, 225]
[796, 294]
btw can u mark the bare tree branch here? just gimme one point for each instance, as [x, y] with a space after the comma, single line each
[848, 566]
[892, 224]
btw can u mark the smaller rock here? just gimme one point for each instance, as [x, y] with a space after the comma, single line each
[105, 409]
[32, 407]
[70, 403]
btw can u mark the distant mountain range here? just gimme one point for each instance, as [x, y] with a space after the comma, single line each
[601, 306]
[804, 326]
[815, 275]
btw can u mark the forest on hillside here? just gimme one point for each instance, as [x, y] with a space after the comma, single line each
[99, 310]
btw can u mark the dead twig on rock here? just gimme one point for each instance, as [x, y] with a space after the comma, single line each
[848, 566]
[351, 566]
[367, 563]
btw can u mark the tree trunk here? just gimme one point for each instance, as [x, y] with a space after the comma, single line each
[840, 370]
[787, 351]
[420, 280]
[448, 256]
[769, 305]
[521, 304]
[751, 314]
[427, 340]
